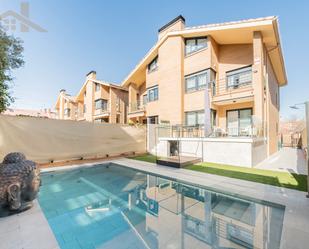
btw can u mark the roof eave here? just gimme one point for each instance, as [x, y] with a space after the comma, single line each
[276, 29]
[224, 26]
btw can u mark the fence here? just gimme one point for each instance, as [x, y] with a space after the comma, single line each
[44, 140]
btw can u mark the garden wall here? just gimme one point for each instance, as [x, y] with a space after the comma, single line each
[45, 140]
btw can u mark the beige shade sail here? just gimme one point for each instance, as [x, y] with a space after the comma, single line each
[44, 140]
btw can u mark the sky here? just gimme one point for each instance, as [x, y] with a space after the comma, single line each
[111, 37]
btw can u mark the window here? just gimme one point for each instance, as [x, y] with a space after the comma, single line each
[153, 65]
[213, 117]
[239, 122]
[195, 44]
[67, 112]
[118, 104]
[195, 118]
[97, 87]
[101, 120]
[85, 108]
[153, 94]
[85, 93]
[145, 99]
[239, 77]
[196, 81]
[101, 104]
[153, 120]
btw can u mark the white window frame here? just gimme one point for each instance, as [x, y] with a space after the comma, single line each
[234, 77]
[153, 65]
[67, 112]
[97, 87]
[195, 77]
[101, 105]
[196, 47]
[149, 94]
[196, 114]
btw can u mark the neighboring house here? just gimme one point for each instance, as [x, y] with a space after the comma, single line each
[240, 67]
[292, 132]
[97, 101]
[44, 113]
[66, 106]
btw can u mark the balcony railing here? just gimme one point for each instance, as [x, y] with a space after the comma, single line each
[231, 83]
[249, 131]
[136, 106]
[99, 111]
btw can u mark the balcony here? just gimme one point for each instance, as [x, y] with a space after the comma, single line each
[136, 109]
[241, 131]
[102, 112]
[235, 85]
[80, 116]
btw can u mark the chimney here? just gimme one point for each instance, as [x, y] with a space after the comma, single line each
[62, 91]
[177, 24]
[92, 75]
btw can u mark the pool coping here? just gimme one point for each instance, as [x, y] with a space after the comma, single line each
[295, 230]
[27, 230]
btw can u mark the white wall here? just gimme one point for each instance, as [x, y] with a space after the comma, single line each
[244, 152]
[228, 152]
[259, 151]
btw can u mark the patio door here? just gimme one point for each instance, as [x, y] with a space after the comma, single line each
[239, 122]
[232, 123]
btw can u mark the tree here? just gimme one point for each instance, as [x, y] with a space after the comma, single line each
[11, 57]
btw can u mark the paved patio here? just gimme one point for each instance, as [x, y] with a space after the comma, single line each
[27, 230]
[31, 230]
[287, 159]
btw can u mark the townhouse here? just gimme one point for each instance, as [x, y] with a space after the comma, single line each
[232, 72]
[65, 106]
[97, 101]
[219, 82]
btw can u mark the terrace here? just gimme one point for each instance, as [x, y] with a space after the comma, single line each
[187, 144]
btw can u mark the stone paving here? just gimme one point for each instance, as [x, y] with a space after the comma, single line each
[27, 230]
[287, 159]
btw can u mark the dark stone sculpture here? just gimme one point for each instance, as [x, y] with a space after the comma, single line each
[19, 183]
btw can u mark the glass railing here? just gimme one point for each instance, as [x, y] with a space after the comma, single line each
[136, 106]
[102, 110]
[182, 131]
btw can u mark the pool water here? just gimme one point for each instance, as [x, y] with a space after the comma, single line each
[110, 206]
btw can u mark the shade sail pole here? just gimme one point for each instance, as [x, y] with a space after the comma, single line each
[207, 122]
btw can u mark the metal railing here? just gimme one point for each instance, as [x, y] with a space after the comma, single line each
[102, 110]
[249, 131]
[231, 83]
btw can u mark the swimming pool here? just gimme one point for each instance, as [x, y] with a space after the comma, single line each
[111, 206]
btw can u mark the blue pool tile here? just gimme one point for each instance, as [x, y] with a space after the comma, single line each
[86, 245]
[65, 195]
[68, 236]
[71, 245]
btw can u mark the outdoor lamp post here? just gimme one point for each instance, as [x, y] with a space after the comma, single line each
[307, 139]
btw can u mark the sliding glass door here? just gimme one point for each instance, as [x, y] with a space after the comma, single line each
[239, 122]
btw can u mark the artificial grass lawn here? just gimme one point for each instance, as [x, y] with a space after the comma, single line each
[275, 178]
[146, 158]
